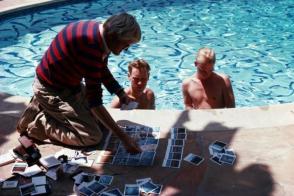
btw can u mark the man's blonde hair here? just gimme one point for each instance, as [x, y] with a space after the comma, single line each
[140, 63]
[205, 55]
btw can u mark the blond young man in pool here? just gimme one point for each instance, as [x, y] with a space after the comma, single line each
[138, 75]
[207, 89]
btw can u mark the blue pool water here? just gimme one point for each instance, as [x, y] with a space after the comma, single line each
[253, 41]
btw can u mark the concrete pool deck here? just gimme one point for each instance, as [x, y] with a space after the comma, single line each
[262, 138]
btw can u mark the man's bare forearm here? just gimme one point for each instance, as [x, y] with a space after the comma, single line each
[104, 117]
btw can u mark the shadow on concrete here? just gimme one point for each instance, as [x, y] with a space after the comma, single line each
[212, 179]
[10, 110]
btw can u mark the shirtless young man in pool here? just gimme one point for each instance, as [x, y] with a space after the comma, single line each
[138, 74]
[207, 89]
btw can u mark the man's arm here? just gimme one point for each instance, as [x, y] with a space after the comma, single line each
[104, 117]
[186, 96]
[228, 93]
[115, 103]
[151, 99]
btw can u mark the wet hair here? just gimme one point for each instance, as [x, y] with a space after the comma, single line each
[140, 63]
[123, 27]
[205, 55]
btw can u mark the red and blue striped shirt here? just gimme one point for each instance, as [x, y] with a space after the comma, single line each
[75, 53]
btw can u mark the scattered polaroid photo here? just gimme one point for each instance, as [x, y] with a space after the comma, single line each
[217, 147]
[70, 168]
[39, 180]
[216, 160]
[40, 190]
[96, 187]
[157, 190]
[7, 158]
[132, 105]
[49, 161]
[105, 179]
[131, 190]
[142, 180]
[194, 159]
[84, 191]
[27, 189]
[53, 172]
[19, 167]
[230, 152]
[227, 158]
[112, 192]
[175, 155]
[83, 161]
[84, 177]
[32, 170]
[9, 184]
[147, 186]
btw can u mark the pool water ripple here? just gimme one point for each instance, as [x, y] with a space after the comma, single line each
[253, 41]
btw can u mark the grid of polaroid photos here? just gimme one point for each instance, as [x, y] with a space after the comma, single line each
[175, 148]
[116, 154]
[220, 154]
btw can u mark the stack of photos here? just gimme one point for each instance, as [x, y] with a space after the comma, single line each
[143, 186]
[220, 154]
[116, 154]
[38, 186]
[175, 148]
[91, 184]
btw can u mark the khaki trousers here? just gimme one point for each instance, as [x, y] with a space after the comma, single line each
[61, 116]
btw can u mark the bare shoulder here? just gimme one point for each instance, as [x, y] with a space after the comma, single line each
[149, 92]
[225, 78]
[188, 81]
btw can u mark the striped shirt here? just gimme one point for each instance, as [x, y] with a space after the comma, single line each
[75, 53]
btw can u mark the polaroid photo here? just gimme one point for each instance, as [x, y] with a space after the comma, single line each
[27, 189]
[227, 158]
[41, 190]
[130, 106]
[216, 160]
[19, 167]
[142, 180]
[49, 161]
[67, 152]
[96, 187]
[147, 186]
[84, 191]
[53, 173]
[39, 180]
[151, 141]
[194, 159]
[112, 192]
[178, 149]
[216, 148]
[83, 177]
[131, 190]
[175, 155]
[105, 179]
[83, 161]
[171, 163]
[70, 168]
[32, 170]
[10, 184]
[176, 142]
[157, 191]
[149, 147]
[230, 152]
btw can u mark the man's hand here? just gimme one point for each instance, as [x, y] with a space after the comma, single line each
[124, 98]
[131, 145]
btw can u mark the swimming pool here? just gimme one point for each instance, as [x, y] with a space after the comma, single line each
[253, 41]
